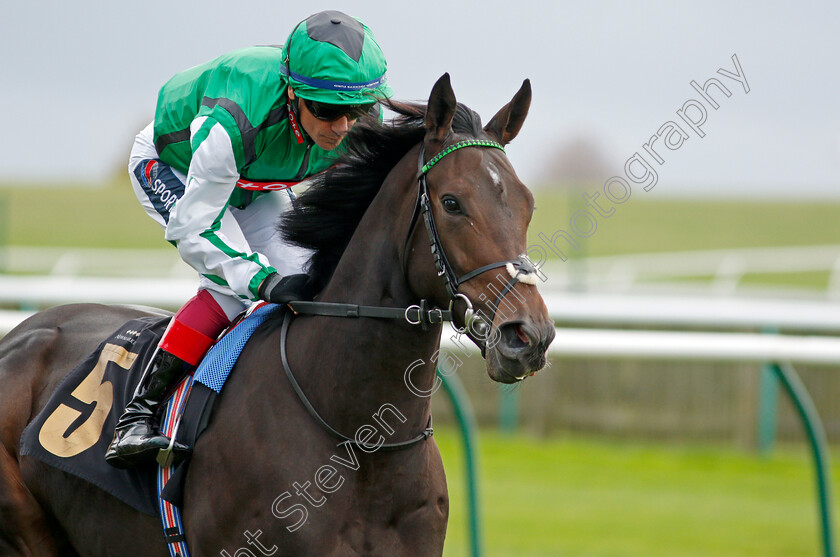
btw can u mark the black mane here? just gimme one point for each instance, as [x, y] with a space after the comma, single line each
[327, 214]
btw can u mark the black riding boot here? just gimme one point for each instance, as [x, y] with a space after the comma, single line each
[136, 436]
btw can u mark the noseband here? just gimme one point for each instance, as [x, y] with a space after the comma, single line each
[476, 325]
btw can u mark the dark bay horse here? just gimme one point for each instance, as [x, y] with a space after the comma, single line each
[266, 478]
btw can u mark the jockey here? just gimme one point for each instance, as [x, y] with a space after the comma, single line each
[228, 137]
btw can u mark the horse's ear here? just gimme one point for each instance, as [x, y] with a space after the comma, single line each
[440, 110]
[506, 124]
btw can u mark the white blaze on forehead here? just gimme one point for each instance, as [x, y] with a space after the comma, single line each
[494, 174]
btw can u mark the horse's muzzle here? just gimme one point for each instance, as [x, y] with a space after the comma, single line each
[519, 350]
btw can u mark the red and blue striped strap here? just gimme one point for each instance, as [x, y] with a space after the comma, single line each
[173, 526]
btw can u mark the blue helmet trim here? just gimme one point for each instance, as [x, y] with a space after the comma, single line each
[333, 85]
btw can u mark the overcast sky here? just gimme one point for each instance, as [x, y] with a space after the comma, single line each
[79, 79]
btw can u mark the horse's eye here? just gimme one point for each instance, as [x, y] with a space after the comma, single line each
[451, 204]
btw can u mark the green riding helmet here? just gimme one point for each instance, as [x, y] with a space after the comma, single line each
[333, 58]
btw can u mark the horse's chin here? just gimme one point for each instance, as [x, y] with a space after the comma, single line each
[504, 369]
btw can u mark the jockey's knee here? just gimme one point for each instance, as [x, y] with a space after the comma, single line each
[195, 327]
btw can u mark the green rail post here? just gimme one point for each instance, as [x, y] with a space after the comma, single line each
[816, 435]
[466, 421]
[768, 405]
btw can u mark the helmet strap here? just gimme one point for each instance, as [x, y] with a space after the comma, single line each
[294, 119]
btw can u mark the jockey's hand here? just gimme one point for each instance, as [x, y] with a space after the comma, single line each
[282, 290]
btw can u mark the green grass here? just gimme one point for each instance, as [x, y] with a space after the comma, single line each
[33, 215]
[111, 217]
[76, 216]
[584, 497]
[651, 225]
[814, 280]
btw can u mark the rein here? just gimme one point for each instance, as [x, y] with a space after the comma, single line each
[425, 434]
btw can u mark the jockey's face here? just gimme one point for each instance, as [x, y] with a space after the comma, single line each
[327, 134]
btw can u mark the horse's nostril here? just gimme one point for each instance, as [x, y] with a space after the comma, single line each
[516, 338]
[520, 332]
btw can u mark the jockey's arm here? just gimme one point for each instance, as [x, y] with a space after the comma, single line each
[195, 224]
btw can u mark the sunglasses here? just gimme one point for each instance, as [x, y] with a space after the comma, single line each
[330, 112]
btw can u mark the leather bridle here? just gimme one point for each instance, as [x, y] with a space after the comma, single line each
[476, 326]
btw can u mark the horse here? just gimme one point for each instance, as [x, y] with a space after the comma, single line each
[267, 477]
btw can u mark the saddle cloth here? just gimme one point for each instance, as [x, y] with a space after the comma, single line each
[76, 426]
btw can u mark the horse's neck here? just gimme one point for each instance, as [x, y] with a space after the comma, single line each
[355, 366]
